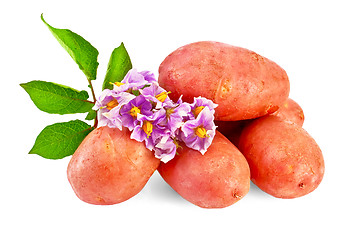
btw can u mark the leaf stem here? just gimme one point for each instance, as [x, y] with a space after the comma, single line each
[94, 100]
[95, 122]
[92, 90]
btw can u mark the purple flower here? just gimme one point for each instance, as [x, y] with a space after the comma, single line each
[199, 104]
[198, 133]
[148, 129]
[141, 105]
[133, 81]
[108, 106]
[165, 148]
[130, 111]
[149, 77]
[176, 115]
[157, 95]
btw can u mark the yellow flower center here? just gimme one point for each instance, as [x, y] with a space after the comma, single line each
[197, 111]
[147, 128]
[177, 144]
[112, 104]
[162, 96]
[169, 112]
[201, 132]
[118, 84]
[134, 111]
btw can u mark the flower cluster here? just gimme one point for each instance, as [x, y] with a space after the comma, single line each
[141, 105]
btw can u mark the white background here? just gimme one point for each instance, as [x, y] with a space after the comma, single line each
[316, 42]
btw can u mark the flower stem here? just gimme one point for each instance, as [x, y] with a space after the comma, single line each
[92, 90]
[94, 100]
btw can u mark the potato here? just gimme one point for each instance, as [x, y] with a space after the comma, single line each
[285, 161]
[244, 84]
[291, 111]
[217, 179]
[288, 111]
[108, 167]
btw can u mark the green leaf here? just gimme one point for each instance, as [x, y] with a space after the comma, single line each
[83, 53]
[60, 139]
[91, 115]
[55, 98]
[118, 66]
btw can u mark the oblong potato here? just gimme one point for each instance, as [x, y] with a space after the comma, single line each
[291, 111]
[217, 179]
[288, 111]
[285, 161]
[244, 84]
[108, 167]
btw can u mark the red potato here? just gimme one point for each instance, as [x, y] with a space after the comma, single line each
[244, 84]
[291, 111]
[285, 161]
[217, 179]
[108, 167]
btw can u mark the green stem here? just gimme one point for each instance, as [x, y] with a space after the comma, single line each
[92, 90]
[94, 100]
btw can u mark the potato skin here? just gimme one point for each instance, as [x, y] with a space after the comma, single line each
[108, 167]
[285, 161]
[288, 111]
[217, 179]
[244, 84]
[291, 111]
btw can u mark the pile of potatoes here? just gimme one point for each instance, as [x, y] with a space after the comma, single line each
[260, 136]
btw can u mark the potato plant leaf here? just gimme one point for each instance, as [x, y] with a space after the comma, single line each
[91, 115]
[118, 66]
[60, 139]
[55, 98]
[82, 52]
